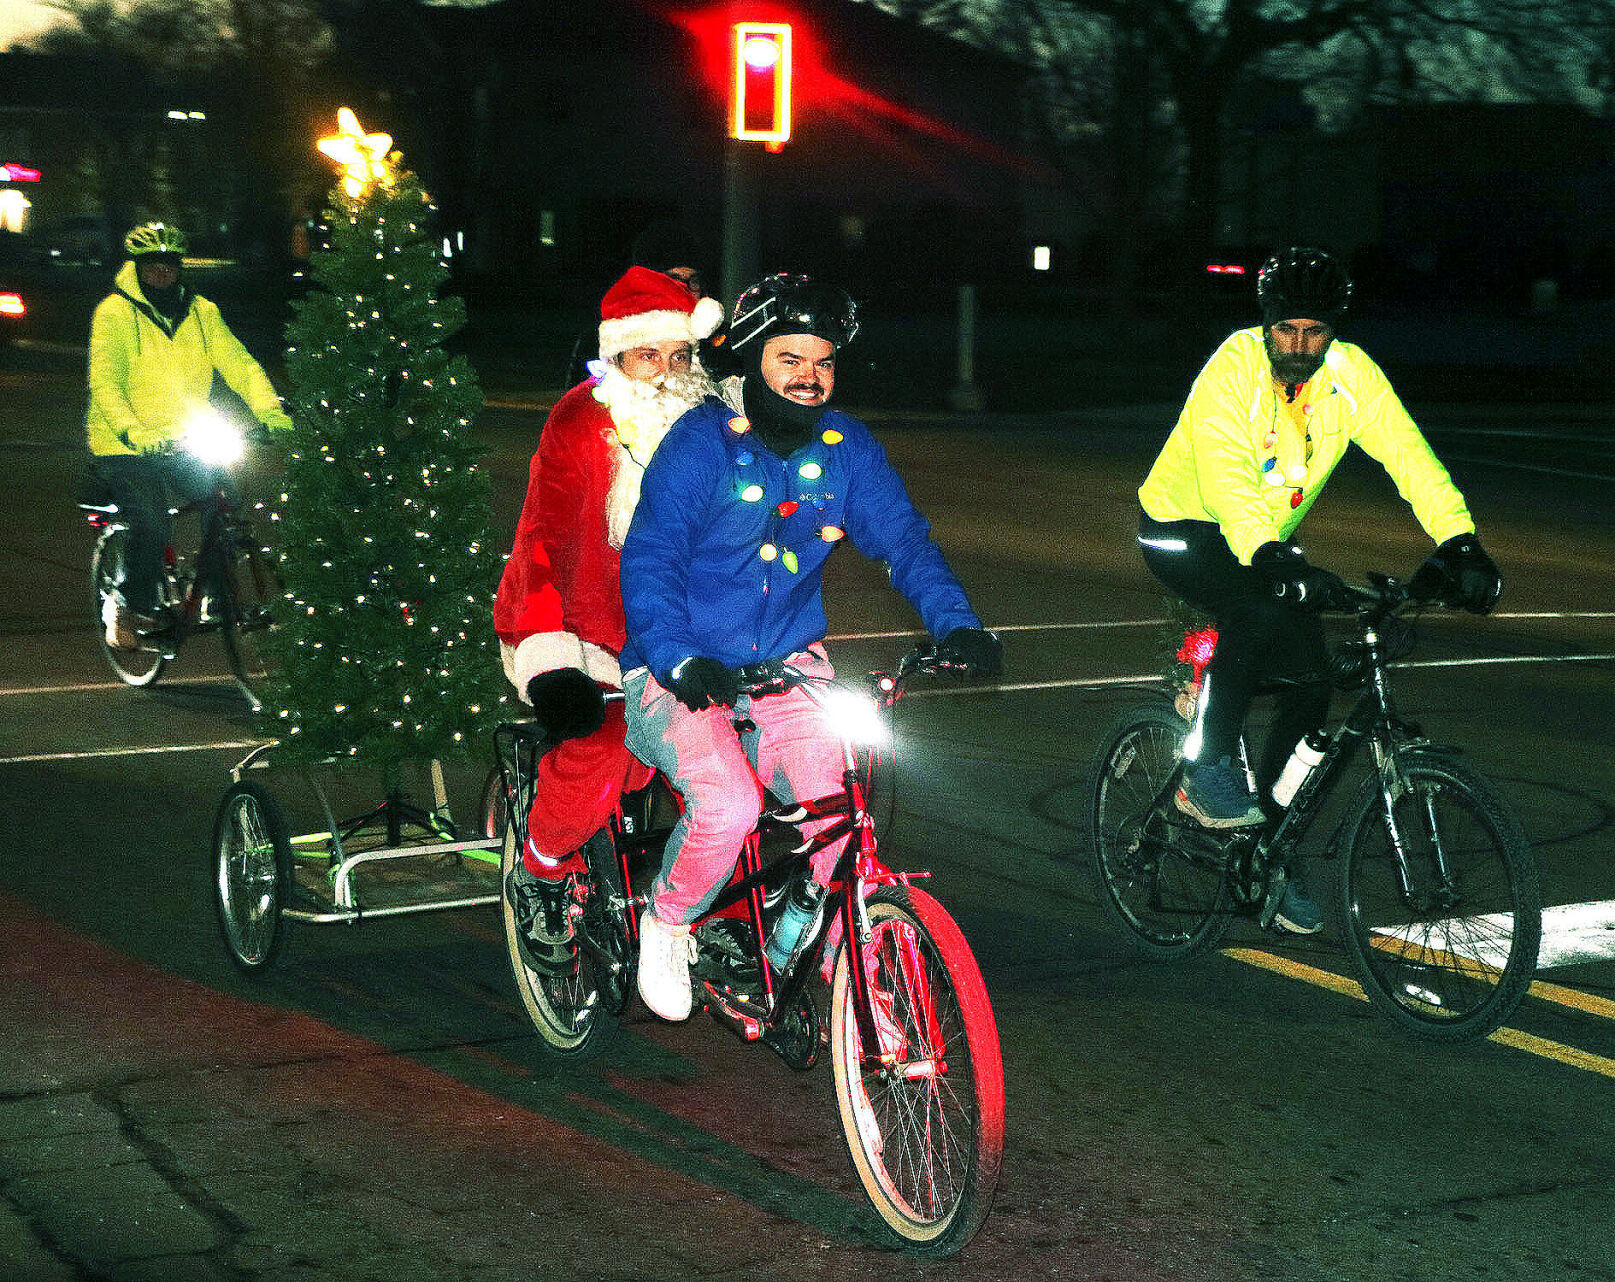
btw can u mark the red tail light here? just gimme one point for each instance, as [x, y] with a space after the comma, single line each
[12, 305]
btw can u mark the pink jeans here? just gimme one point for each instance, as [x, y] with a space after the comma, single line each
[721, 773]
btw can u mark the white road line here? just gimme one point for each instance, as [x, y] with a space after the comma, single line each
[1570, 933]
[1001, 627]
[73, 687]
[1553, 614]
[1155, 678]
[1513, 466]
[1073, 626]
[132, 752]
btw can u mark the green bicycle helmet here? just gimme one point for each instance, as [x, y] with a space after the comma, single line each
[155, 238]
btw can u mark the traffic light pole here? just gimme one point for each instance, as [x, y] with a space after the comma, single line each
[741, 237]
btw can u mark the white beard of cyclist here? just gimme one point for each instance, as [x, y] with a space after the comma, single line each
[641, 412]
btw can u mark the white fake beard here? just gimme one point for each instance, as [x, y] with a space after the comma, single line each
[641, 412]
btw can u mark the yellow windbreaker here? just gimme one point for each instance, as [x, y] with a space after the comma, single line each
[1237, 457]
[146, 378]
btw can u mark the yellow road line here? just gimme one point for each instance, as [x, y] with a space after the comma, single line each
[1298, 970]
[1571, 1055]
[1587, 1002]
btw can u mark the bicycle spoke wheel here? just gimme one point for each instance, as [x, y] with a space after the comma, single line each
[564, 1003]
[252, 876]
[923, 1113]
[143, 664]
[1161, 884]
[251, 586]
[1446, 942]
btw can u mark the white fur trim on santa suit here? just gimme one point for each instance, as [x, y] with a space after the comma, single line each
[551, 651]
[622, 333]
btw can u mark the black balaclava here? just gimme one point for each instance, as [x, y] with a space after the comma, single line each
[170, 301]
[781, 424]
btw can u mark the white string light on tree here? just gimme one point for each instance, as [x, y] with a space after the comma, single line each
[383, 523]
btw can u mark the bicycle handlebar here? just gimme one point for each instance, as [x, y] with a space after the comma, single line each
[775, 676]
[1383, 597]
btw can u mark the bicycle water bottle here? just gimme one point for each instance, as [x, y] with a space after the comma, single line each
[1309, 750]
[801, 904]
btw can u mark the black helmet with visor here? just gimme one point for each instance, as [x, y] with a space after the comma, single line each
[790, 303]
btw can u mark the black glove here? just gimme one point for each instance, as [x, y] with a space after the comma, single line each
[702, 683]
[1295, 581]
[1459, 574]
[567, 703]
[976, 650]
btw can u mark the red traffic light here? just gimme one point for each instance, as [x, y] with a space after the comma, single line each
[18, 173]
[760, 103]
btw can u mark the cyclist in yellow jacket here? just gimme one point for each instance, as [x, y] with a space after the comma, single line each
[1265, 423]
[154, 348]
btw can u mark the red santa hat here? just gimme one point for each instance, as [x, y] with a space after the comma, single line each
[648, 306]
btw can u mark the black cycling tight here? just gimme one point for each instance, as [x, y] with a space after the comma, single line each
[1258, 637]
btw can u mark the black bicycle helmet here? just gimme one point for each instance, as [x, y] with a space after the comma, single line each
[1302, 283]
[789, 303]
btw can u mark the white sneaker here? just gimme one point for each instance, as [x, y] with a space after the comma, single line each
[665, 954]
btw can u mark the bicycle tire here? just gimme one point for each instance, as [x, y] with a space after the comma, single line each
[250, 585]
[1442, 964]
[927, 1139]
[493, 816]
[1169, 899]
[137, 667]
[252, 877]
[565, 1008]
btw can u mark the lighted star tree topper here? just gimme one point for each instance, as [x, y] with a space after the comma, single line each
[384, 636]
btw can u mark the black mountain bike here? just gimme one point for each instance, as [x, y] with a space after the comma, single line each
[1438, 900]
[225, 586]
[912, 1037]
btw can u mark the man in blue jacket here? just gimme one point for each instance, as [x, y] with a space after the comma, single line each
[721, 567]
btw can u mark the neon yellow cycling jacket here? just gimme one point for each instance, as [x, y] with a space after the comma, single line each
[146, 375]
[1236, 457]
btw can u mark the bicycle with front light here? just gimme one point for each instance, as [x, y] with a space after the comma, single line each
[224, 586]
[912, 1037]
[1438, 901]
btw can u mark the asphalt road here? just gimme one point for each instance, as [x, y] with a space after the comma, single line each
[378, 1109]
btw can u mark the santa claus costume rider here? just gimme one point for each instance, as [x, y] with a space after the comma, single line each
[559, 612]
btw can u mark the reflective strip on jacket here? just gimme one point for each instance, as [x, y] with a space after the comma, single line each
[1234, 457]
[146, 376]
[729, 541]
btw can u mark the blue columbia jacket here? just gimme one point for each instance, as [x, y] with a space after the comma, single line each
[729, 541]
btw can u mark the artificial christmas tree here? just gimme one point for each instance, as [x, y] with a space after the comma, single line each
[383, 646]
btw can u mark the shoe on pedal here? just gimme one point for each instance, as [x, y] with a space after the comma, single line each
[665, 953]
[1215, 795]
[542, 907]
[1296, 913]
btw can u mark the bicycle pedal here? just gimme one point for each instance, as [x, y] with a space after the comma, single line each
[1276, 886]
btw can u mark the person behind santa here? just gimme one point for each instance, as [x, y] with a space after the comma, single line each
[558, 611]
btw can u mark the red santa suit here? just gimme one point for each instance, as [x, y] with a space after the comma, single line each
[559, 603]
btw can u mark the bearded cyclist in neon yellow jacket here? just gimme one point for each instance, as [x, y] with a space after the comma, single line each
[154, 348]
[1267, 421]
